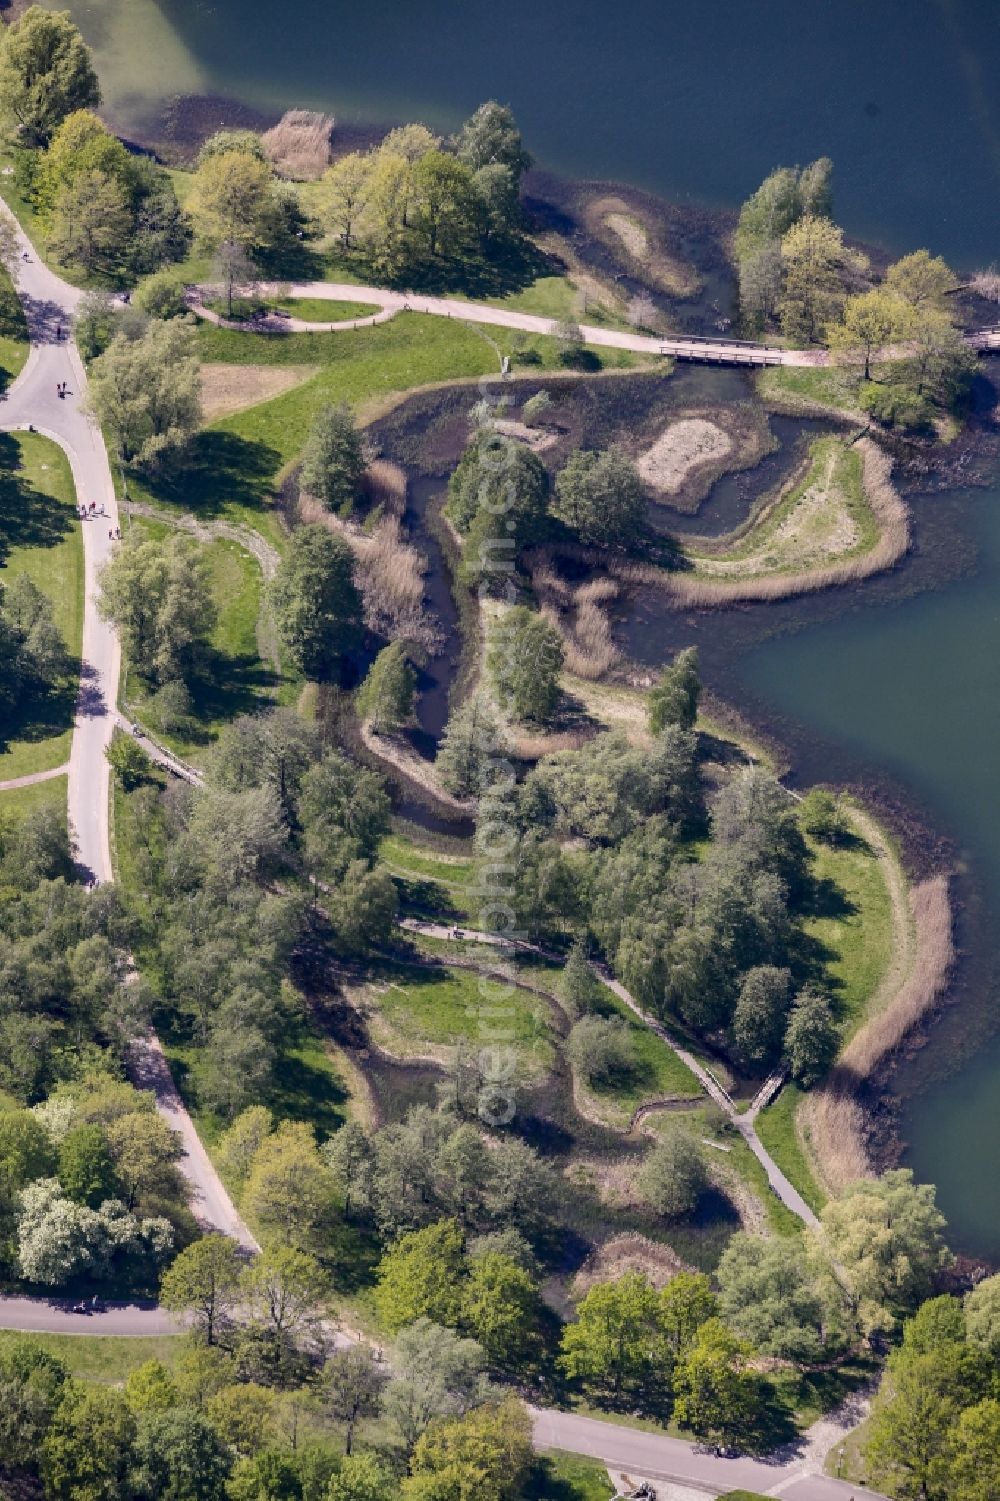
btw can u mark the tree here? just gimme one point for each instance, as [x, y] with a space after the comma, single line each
[600, 497]
[316, 602]
[88, 1451]
[435, 1374]
[974, 1457]
[150, 1388]
[885, 1233]
[612, 1346]
[673, 1176]
[202, 1282]
[498, 497]
[233, 267]
[780, 201]
[45, 74]
[470, 748]
[243, 1415]
[486, 1454]
[490, 137]
[162, 295]
[344, 810]
[145, 1152]
[915, 1416]
[442, 191]
[674, 699]
[601, 1049]
[352, 1385]
[346, 189]
[91, 223]
[811, 1037]
[922, 280]
[233, 199]
[385, 699]
[869, 322]
[420, 1276]
[32, 1383]
[686, 1303]
[178, 1457]
[333, 462]
[818, 267]
[525, 659]
[761, 1015]
[770, 1295]
[146, 392]
[578, 986]
[982, 1315]
[290, 1190]
[500, 1308]
[86, 1170]
[284, 1289]
[129, 762]
[716, 1395]
[364, 1477]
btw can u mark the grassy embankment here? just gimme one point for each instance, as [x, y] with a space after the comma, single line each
[837, 522]
[40, 536]
[105, 1358]
[309, 309]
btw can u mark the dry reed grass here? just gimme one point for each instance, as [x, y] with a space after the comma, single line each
[630, 1252]
[389, 572]
[833, 1116]
[384, 484]
[298, 147]
[580, 617]
[890, 511]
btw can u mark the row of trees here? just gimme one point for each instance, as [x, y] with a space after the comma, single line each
[417, 200]
[33, 656]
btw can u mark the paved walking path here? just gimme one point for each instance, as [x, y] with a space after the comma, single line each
[34, 777]
[33, 401]
[712, 350]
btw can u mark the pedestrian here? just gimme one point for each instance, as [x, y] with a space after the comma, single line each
[58, 330]
[59, 389]
[111, 535]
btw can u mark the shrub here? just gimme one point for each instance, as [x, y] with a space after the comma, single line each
[601, 1049]
[162, 296]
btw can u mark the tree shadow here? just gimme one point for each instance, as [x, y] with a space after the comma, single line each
[223, 470]
[226, 686]
[28, 517]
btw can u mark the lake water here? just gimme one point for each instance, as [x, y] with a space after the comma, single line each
[699, 101]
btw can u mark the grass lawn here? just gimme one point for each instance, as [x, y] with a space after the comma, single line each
[410, 859]
[309, 309]
[416, 1011]
[776, 1129]
[235, 680]
[852, 922]
[16, 802]
[658, 1072]
[107, 1358]
[40, 536]
[802, 385]
[557, 1476]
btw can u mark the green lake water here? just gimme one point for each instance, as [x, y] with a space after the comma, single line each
[699, 101]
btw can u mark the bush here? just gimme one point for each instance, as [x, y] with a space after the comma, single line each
[601, 1049]
[673, 1176]
[821, 816]
[896, 406]
[162, 296]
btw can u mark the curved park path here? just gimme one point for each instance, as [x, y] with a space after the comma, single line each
[720, 351]
[33, 401]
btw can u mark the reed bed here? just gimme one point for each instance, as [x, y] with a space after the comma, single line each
[384, 484]
[298, 147]
[389, 573]
[834, 1118]
[580, 615]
